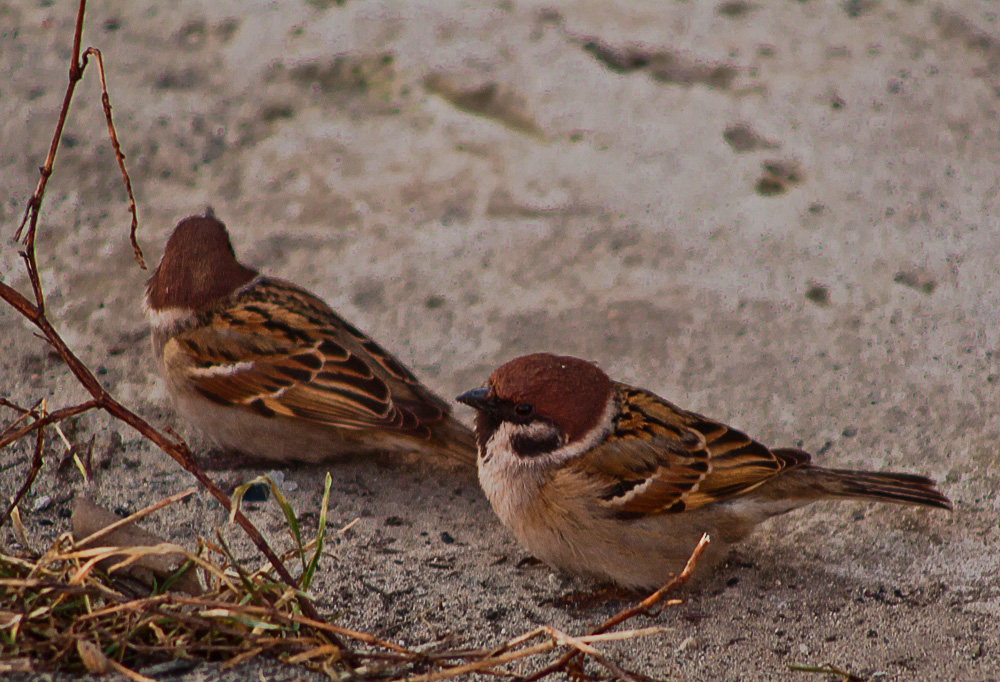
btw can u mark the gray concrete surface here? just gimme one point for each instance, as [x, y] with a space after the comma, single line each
[468, 182]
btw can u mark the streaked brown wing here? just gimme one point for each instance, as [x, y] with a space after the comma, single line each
[663, 459]
[288, 354]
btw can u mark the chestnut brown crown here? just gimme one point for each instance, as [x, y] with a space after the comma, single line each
[198, 267]
[569, 392]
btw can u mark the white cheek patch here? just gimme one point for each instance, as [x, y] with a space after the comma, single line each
[499, 445]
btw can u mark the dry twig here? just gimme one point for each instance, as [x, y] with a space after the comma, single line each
[643, 608]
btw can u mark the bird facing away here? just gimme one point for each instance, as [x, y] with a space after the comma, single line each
[265, 368]
[610, 481]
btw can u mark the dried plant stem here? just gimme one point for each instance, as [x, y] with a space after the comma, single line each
[75, 74]
[40, 422]
[76, 68]
[36, 466]
[642, 608]
[484, 664]
[106, 102]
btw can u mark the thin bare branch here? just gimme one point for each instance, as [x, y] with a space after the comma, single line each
[9, 436]
[75, 74]
[106, 101]
[36, 466]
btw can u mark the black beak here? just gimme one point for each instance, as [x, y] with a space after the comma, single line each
[477, 398]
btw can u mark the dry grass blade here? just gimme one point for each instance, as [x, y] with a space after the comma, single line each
[132, 518]
[58, 609]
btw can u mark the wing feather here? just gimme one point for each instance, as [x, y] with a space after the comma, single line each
[662, 459]
[280, 351]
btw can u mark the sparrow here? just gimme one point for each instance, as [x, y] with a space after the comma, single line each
[609, 481]
[267, 369]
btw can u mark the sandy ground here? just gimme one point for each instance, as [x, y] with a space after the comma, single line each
[781, 214]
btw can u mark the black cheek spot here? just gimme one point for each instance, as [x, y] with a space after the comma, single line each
[527, 446]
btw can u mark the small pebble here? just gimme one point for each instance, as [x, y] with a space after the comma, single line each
[41, 502]
[803, 649]
[277, 476]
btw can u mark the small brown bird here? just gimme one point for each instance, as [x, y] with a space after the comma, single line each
[265, 368]
[603, 479]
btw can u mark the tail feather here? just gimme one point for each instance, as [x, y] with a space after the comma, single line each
[801, 478]
[877, 486]
[454, 439]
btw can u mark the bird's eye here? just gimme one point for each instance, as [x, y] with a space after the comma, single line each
[524, 409]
